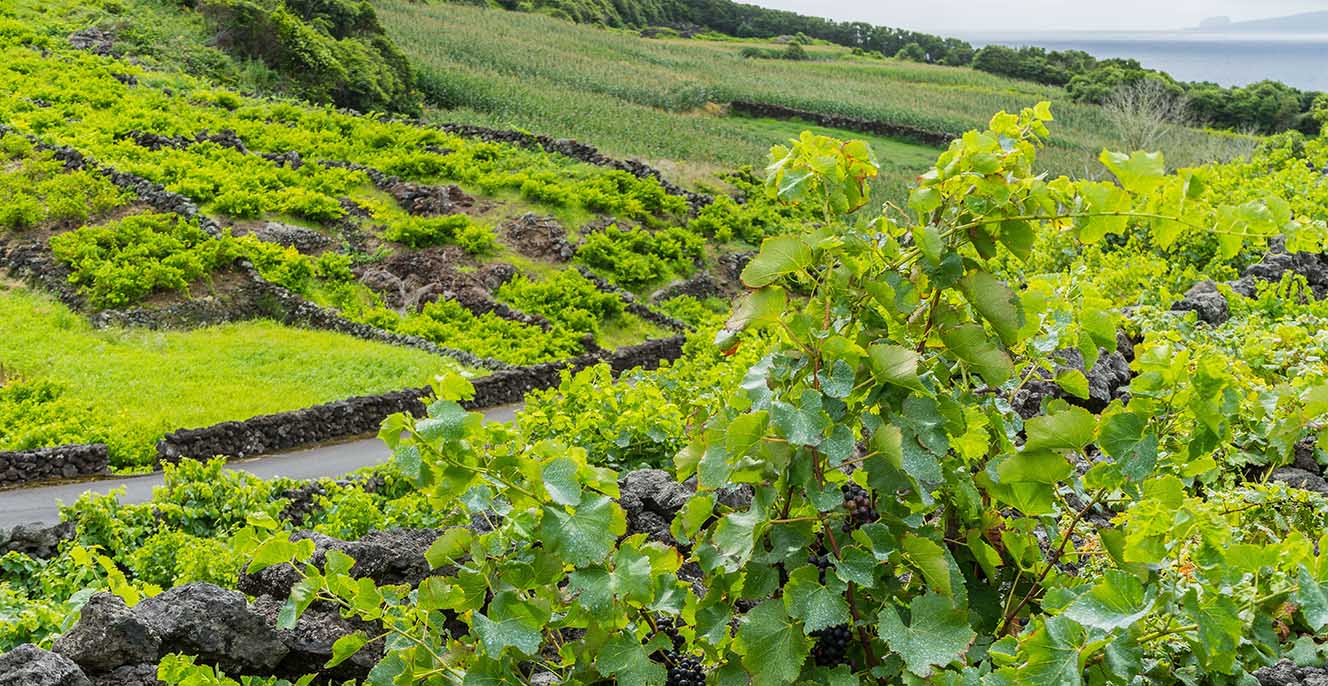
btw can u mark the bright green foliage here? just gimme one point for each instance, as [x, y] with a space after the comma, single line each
[39, 192]
[41, 414]
[638, 257]
[447, 323]
[118, 264]
[567, 299]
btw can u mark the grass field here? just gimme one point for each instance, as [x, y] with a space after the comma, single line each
[140, 384]
[662, 99]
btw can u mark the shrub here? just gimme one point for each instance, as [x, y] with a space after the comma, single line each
[119, 263]
[568, 299]
[638, 257]
[423, 232]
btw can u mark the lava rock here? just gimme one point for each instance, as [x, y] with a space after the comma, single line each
[388, 557]
[94, 40]
[310, 643]
[298, 237]
[28, 665]
[1206, 301]
[1299, 478]
[135, 675]
[651, 499]
[36, 541]
[214, 624]
[538, 237]
[108, 635]
[1107, 380]
[1286, 673]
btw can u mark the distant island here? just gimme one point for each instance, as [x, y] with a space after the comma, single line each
[1306, 22]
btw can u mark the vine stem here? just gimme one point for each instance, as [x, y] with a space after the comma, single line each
[1051, 563]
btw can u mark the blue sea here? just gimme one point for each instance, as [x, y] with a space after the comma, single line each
[1227, 59]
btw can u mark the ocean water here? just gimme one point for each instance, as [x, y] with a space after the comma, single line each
[1227, 59]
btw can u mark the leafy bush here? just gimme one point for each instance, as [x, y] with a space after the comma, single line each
[119, 263]
[447, 323]
[423, 232]
[638, 257]
[567, 298]
[41, 414]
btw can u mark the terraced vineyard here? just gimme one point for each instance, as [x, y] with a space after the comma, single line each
[1012, 429]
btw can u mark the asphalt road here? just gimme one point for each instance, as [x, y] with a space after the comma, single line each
[42, 504]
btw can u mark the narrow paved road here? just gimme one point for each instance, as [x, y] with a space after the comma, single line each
[42, 505]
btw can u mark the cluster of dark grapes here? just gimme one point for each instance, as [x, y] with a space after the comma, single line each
[684, 670]
[821, 559]
[858, 502]
[831, 645]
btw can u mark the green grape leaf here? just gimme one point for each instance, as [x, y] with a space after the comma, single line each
[930, 243]
[896, 365]
[510, 623]
[930, 559]
[937, 635]
[1125, 438]
[773, 648]
[970, 344]
[625, 658]
[1018, 238]
[779, 257]
[1138, 172]
[1049, 654]
[803, 424]
[449, 547]
[346, 647]
[856, 565]
[586, 535]
[1069, 429]
[1312, 597]
[818, 606]
[560, 481]
[996, 303]
[1115, 602]
[1074, 382]
[1220, 633]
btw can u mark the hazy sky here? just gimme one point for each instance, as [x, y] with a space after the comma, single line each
[948, 16]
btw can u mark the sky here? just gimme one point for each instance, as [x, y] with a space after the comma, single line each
[948, 17]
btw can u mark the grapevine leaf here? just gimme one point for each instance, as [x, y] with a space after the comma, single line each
[346, 647]
[856, 565]
[1069, 429]
[1033, 466]
[896, 365]
[693, 516]
[1312, 596]
[969, 343]
[1074, 382]
[560, 481]
[586, 535]
[930, 559]
[1220, 630]
[758, 307]
[625, 658]
[779, 256]
[1123, 437]
[773, 648]
[1115, 602]
[1138, 172]
[937, 635]
[510, 623]
[838, 383]
[930, 243]
[996, 303]
[1018, 238]
[1050, 654]
[449, 547]
[803, 424]
[816, 605]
